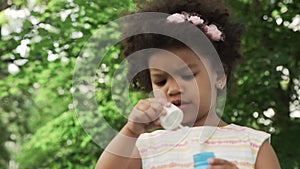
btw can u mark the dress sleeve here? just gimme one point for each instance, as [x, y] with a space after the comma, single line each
[257, 138]
[146, 143]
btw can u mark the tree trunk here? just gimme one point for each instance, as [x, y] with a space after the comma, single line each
[3, 5]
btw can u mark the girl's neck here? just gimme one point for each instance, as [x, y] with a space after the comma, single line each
[211, 119]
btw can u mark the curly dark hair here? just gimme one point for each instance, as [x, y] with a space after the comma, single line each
[213, 11]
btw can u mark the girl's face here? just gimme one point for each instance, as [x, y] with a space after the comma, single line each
[184, 81]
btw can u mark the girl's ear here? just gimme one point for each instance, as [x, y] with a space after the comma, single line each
[221, 80]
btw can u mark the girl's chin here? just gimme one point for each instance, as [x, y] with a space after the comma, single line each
[192, 119]
[189, 123]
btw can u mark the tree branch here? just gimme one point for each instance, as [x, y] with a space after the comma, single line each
[3, 5]
[256, 2]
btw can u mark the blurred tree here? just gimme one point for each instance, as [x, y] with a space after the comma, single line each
[3, 5]
[41, 41]
[4, 157]
[37, 64]
[266, 92]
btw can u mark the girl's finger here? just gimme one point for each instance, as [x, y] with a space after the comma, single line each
[218, 167]
[163, 113]
[156, 105]
[145, 117]
[152, 114]
[217, 161]
[146, 104]
[152, 126]
[222, 167]
[221, 164]
[143, 105]
[138, 116]
[157, 122]
[168, 104]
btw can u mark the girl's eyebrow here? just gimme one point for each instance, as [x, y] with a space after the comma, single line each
[188, 67]
[160, 73]
[156, 74]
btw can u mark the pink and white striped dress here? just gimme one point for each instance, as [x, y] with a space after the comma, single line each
[164, 149]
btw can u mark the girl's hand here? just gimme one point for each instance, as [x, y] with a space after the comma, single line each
[217, 163]
[145, 116]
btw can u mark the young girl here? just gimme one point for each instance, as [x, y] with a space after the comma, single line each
[192, 83]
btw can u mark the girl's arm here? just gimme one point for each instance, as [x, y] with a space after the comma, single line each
[266, 157]
[121, 153]
[123, 146]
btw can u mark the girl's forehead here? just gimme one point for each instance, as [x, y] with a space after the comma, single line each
[175, 58]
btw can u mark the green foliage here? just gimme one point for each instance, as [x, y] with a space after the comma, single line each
[35, 101]
[60, 143]
[4, 153]
[36, 107]
[268, 77]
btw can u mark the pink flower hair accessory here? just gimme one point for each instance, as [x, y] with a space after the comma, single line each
[212, 31]
[196, 20]
[176, 18]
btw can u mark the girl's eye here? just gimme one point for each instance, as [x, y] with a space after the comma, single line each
[160, 83]
[189, 77]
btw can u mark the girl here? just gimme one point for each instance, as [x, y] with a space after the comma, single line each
[179, 75]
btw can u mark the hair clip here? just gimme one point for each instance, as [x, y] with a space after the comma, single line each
[212, 31]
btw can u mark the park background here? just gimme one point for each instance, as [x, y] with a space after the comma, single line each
[41, 40]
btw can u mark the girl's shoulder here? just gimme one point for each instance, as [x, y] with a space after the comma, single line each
[244, 134]
[230, 128]
[230, 131]
[246, 130]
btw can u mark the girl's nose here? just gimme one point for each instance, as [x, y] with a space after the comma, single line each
[173, 88]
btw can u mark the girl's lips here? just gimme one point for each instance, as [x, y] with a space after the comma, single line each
[180, 104]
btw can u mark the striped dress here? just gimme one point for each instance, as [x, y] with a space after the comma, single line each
[164, 149]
